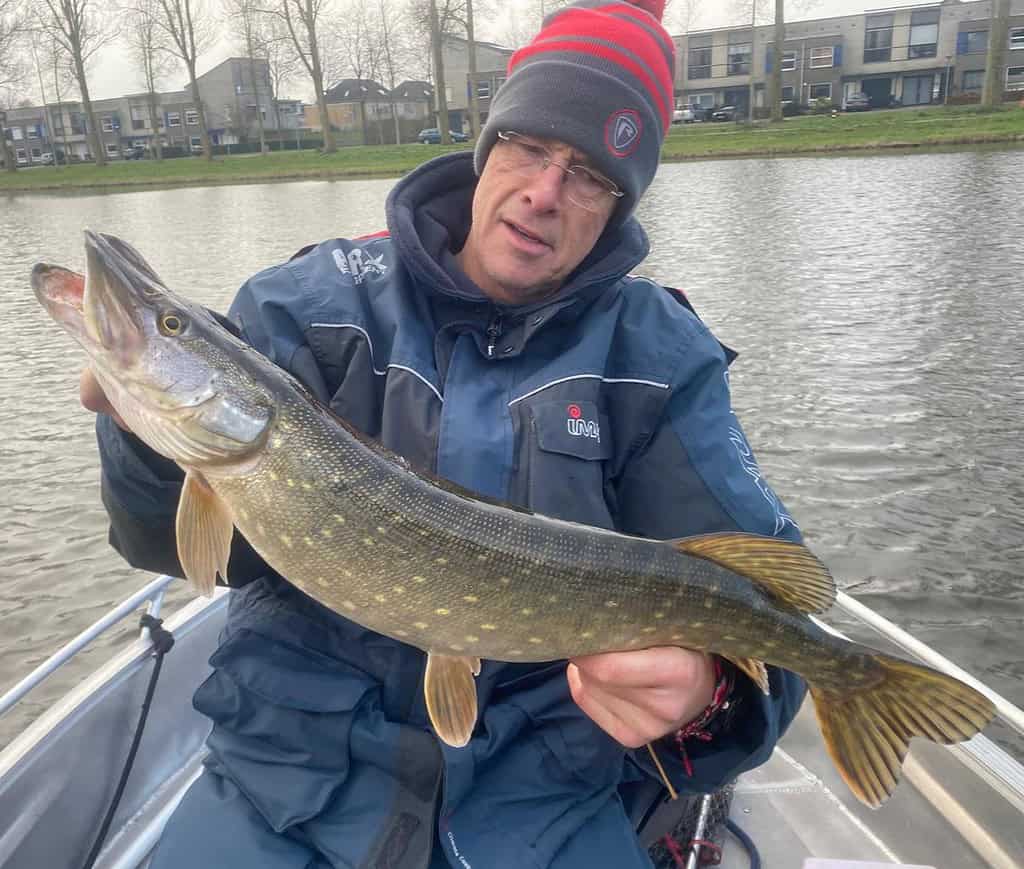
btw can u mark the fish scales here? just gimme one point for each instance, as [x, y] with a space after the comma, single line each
[429, 567]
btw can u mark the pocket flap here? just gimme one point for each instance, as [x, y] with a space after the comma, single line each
[572, 428]
[290, 676]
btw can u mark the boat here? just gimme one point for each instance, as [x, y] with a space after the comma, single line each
[64, 803]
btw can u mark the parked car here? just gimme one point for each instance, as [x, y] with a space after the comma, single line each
[724, 113]
[683, 115]
[858, 102]
[432, 136]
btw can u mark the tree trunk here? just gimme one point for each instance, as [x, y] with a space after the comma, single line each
[10, 158]
[775, 81]
[474, 100]
[398, 126]
[440, 94]
[256, 94]
[154, 122]
[197, 101]
[995, 63]
[330, 144]
[98, 153]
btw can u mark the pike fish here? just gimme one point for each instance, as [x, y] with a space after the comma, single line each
[460, 577]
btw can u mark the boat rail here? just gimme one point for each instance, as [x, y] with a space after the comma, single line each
[153, 592]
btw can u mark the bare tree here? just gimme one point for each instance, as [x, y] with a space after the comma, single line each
[775, 79]
[998, 37]
[391, 26]
[302, 19]
[682, 15]
[282, 62]
[440, 92]
[62, 78]
[189, 29]
[12, 67]
[246, 18]
[81, 31]
[152, 60]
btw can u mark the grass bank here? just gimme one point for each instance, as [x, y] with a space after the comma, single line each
[868, 131]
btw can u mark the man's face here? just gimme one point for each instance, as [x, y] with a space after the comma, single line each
[527, 235]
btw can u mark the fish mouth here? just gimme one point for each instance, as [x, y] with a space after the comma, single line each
[61, 292]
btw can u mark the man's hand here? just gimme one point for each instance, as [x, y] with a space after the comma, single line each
[638, 697]
[93, 398]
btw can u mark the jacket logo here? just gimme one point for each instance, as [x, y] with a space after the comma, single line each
[622, 132]
[358, 264]
[579, 427]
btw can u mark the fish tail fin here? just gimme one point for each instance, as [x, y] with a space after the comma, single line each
[867, 731]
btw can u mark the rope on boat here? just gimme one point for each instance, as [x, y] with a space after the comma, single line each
[162, 641]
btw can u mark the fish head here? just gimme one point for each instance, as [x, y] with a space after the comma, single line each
[182, 382]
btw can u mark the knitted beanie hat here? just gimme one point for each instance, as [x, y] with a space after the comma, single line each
[598, 76]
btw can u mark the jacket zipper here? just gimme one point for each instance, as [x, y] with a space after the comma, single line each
[493, 334]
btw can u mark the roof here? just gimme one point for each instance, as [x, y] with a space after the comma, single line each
[413, 90]
[356, 90]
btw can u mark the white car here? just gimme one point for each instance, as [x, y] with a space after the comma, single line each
[683, 115]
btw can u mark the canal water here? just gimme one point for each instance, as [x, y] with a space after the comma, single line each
[877, 303]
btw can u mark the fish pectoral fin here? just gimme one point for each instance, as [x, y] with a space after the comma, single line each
[204, 528]
[788, 571]
[754, 669]
[451, 696]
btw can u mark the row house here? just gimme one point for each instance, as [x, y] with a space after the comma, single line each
[901, 56]
[125, 126]
[364, 112]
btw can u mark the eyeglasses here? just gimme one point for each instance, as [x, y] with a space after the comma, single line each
[584, 187]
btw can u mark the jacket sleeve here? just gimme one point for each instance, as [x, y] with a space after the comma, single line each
[140, 488]
[695, 475]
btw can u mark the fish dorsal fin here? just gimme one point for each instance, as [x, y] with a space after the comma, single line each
[754, 669]
[451, 696]
[204, 528]
[786, 570]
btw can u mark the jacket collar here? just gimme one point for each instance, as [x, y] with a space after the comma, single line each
[429, 213]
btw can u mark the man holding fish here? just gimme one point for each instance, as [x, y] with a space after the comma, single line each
[493, 337]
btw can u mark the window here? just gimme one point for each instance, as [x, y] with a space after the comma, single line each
[77, 124]
[139, 116]
[20, 155]
[174, 119]
[924, 33]
[821, 91]
[286, 109]
[787, 93]
[483, 90]
[739, 54]
[108, 124]
[57, 123]
[1015, 78]
[789, 61]
[37, 155]
[705, 101]
[878, 38]
[1017, 37]
[195, 142]
[973, 80]
[191, 117]
[699, 61]
[973, 42]
[17, 133]
[821, 58]
[112, 149]
[33, 131]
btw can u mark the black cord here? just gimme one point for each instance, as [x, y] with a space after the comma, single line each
[162, 642]
[745, 841]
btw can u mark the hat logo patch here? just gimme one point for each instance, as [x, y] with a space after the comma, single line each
[622, 132]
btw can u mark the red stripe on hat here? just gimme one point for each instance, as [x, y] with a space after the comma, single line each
[581, 23]
[605, 53]
[640, 15]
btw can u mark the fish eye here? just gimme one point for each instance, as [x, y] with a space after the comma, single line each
[171, 324]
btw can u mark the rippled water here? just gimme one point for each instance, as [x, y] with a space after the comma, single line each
[877, 302]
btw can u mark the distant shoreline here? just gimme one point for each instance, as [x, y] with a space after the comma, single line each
[898, 131]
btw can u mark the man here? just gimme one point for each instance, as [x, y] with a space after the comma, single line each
[495, 338]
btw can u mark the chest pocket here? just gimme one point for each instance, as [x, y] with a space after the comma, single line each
[569, 442]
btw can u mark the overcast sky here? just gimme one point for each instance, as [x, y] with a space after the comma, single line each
[112, 75]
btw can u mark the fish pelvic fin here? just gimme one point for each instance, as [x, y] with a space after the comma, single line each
[203, 527]
[867, 732]
[753, 669]
[788, 571]
[451, 696]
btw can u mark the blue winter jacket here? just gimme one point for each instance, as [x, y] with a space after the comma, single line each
[320, 724]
